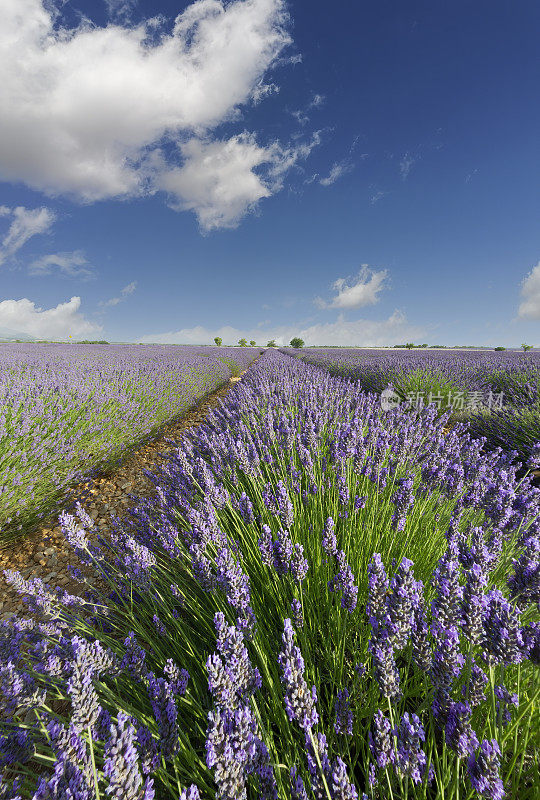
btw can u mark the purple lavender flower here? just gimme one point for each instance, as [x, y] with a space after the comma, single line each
[402, 498]
[296, 611]
[329, 541]
[298, 565]
[230, 748]
[483, 768]
[502, 639]
[378, 587]
[531, 642]
[475, 691]
[380, 740]
[473, 603]
[505, 699]
[384, 667]
[231, 677]
[245, 507]
[344, 716]
[190, 794]
[359, 502]
[446, 665]
[458, 731]
[344, 581]
[298, 790]
[341, 787]
[411, 759]
[446, 607]
[420, 639]
[524, 583]
[300, 703]
[121, 764]
[401, 604]
[266, 546]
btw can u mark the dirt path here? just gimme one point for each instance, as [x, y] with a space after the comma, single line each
[44, 552]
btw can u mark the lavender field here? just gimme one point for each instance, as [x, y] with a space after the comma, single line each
[67, 409]
[324, 600]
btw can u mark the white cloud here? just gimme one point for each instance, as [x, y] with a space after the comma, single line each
[364, 292]
[124, 294]
[72, 264]
[27, 222]
[54, 323]
[530, 292]
[369, 333]
[91, 112]
[217, 180]
[339, 168]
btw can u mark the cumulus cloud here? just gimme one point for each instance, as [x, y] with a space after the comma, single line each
[339, 168]
[364, 292]
[96, 112]
[530, 292]
[368, 333]
[73, 264]
[26, 222]
[124, 294]
[217, 180]
[54, 323]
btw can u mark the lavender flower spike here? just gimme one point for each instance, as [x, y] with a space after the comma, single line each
[483, 770]
[299, 701]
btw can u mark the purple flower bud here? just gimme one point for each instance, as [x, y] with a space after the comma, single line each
[300, 703]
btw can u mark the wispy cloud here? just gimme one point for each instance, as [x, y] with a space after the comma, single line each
[377, 196]
[530, 292]
[73, 264]
[363, 292]
[406, 164]
[339, 169]
[470, 175]
[124, 294]
[27, 222]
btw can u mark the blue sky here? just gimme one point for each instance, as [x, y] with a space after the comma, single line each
[355, 173]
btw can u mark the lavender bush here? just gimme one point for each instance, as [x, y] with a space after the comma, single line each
[323, 601]
[64, 409]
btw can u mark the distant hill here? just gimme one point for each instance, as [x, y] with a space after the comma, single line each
[9, 335]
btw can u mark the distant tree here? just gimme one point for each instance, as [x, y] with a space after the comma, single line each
[297, 342]
[271, 343]
[423, 345]
[242, 342]
[409, 345]
[526, 347]
[253, 343]
[500, 348]
[218, 340]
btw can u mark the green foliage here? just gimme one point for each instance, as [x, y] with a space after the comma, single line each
[500, 348]
[271, 343]
[526, 347]
[92, 341]
[218, 340]
[242, 342]
[297, 342]
[253, 343]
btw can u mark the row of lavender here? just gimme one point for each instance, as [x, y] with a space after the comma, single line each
[323, 601]
[498, 393]
[64, 409]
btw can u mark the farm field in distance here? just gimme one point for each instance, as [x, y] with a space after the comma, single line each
[328, 597]
[67, 409]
